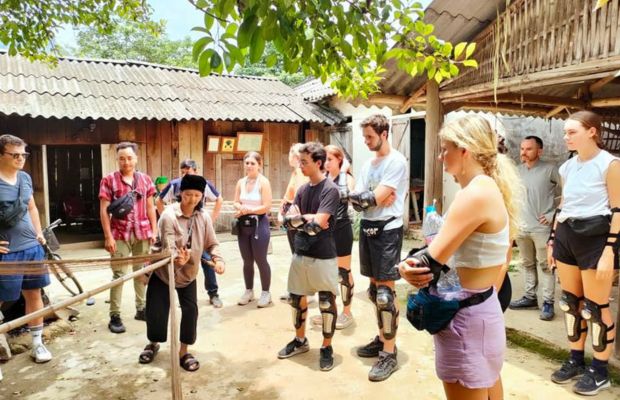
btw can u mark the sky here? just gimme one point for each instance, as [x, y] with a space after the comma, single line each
[180, 18]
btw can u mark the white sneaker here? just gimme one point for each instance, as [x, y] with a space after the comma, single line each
[247, 297]
[5, 349]
[265, 300]
[344, 321]
[41, 354]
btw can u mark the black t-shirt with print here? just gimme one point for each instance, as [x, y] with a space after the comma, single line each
[321, 198]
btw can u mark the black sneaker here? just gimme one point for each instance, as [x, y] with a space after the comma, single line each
[547, 313]
[326, 362]
[293, 348]
[384, 367]
[524, 303]
[568, 371]
[591, 383]
[140, 315]
[116, 324]
[372, 349]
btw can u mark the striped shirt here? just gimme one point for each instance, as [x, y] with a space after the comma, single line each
[137, 221]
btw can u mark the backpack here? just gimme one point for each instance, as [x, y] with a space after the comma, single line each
[119, 208]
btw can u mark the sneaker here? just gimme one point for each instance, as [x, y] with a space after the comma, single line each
[293, 348]
[591, 383]
[384, 367]
[116, 324]
[247, 297]
[140, 315]
[344, 321]
[524, 303]
[326, 362]
[40, 354]
[5, 349]
[372, 349]
[547, 313]
[568, 371]
[264, 300]
[215, 301]
[285, 298]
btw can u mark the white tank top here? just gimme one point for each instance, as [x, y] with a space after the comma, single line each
[584, 191]
[253, 198]
[483, 250]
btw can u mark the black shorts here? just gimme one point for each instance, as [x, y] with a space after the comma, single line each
[343, 236]
[575, 249]
[380, 254]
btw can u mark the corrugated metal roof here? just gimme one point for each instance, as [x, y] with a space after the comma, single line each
[454, 21]
[314, 90]
[109, 89]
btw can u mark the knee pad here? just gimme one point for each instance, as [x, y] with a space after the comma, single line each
[372, 293]
[592, 313]
[329, 313]
[298, 312]
[346, 287]
[569, 303]
[387, 314]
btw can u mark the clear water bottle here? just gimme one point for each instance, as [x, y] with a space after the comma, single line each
[449, 285]
[432, 223]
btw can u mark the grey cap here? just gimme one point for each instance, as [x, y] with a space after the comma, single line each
[188, 164]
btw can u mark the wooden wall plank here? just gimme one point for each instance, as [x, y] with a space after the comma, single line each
[185, 140]
[197, 144]
[165, 134]
[153, 149]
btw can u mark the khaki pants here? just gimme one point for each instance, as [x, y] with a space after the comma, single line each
[124, 248]
[533, 251]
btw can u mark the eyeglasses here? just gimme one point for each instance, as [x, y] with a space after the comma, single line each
[17, 155]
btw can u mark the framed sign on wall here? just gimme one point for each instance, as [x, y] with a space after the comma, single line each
[228, 144]
[249, 141]
[213, 144]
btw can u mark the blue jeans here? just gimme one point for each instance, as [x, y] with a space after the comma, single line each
[210, 278]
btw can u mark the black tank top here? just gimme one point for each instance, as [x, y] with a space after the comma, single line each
[342, 214]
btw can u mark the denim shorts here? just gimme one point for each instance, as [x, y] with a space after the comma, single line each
[12, 285]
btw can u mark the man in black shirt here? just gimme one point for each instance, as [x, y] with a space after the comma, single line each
[314, 267]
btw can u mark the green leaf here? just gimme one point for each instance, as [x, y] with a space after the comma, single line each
[428, 29]
[454, 70]
[470, 49]
[204, 63]
[199, 46]
[471, 63]
[431, 72]
[246, 31]
[309, 33]
[201, 29]
[458, 49]
[209, 21]
[228, 61]
[438, 78]
[201, 3]
[271, 60]
[257, 46]
[216, 61]
[231, 29]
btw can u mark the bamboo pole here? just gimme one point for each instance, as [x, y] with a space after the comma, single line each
[52, 308]
[175, 372]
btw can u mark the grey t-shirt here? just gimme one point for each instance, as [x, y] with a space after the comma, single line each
[21, 236]
[543, 188]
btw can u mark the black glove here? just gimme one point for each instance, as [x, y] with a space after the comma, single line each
[363, 200]
[295, 222]
[426, 260]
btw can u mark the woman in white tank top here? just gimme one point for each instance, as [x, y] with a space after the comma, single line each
[477, 231]
[582, 246]
[252, 205]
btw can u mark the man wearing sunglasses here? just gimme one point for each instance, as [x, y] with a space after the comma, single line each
[131, 235]
[20, 240]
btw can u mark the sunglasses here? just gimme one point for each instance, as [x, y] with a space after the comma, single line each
[17, 155]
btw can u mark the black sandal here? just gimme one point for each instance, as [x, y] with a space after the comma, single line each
[189, 363]
[149, 353]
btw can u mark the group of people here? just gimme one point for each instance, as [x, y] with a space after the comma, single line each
[567, 220]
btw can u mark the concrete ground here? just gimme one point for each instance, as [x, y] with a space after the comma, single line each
[237, 348]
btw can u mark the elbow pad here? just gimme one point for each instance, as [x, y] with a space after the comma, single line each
[295, 222]
[426, 260]
[363, 200]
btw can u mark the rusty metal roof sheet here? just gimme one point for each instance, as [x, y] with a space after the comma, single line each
[110, 89]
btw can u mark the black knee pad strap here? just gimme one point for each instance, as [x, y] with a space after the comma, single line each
[298, 312]
[592, 313]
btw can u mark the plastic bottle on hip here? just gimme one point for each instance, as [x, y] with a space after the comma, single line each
[449, 284]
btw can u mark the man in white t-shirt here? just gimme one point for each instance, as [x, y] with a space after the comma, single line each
[380, 195]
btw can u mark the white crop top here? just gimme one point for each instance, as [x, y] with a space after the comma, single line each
[584, 192]
[252, 198]
[483, 250]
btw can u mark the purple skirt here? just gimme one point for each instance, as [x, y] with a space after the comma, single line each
[470, 350]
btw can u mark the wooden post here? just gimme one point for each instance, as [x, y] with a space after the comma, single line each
[175, 372]
[433, 171]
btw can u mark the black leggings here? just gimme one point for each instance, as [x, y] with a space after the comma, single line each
[253, 245]
[158, 306]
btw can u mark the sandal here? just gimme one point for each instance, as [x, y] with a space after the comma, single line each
[189, 363]
[149, 353]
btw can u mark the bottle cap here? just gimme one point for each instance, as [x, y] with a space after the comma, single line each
[430, 208]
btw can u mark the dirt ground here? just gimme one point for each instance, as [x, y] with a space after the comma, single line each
[237, 348]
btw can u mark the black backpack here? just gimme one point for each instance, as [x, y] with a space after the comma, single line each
[11, 212]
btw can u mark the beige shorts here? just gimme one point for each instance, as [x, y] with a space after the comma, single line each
[310, 275]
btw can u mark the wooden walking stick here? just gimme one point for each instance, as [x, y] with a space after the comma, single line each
[175, 372]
